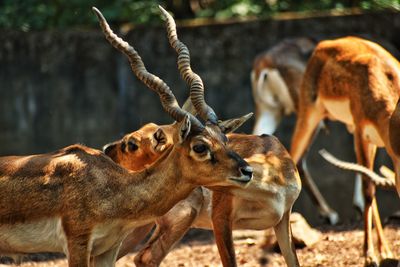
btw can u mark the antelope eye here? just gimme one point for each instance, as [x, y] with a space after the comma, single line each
[199, 148]
[123, 146]
[132, 146]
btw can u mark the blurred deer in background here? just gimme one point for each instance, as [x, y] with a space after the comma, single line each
[276, 78]
[356, 82]
[265, 202]
[78, 201]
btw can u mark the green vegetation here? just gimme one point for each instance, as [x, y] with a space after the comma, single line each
[60, 14]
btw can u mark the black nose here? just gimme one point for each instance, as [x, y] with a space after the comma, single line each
[246, 171]
[108, 149]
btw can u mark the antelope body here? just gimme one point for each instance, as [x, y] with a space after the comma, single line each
[356, 82]
[79, 202]
[87, 204]
[265, 202]
[48, 197]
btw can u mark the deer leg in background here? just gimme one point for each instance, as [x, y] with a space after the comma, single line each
[108, 258]
[383, 247]
[134, 239]
[365, 153]
[165, 236]
[170, 229]
[222, 227]
[283, 234]
[358, 198]
[307, 133]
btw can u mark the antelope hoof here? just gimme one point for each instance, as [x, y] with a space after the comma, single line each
[386, 254]
[371, 262]
[389, 263]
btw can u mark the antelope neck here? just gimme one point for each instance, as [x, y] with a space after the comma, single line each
[156, 189]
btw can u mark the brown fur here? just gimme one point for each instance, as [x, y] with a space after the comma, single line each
[97, 201]
[363, 73]
[274, 189]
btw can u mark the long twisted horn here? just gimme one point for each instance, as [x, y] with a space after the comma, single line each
[191, 78]
[375, 178]
[153, 82]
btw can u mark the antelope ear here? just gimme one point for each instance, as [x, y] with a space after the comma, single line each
[159, 140]
[184, 129]
[231, 125]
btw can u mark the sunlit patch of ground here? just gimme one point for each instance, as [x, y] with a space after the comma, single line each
[339, 246]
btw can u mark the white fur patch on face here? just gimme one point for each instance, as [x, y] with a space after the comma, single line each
[206, 155]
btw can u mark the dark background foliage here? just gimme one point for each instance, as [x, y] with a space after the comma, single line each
[60, 14]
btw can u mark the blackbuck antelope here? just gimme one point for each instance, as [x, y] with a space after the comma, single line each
[276, 78]
[356, 82]
[266, 201]
[78, 201]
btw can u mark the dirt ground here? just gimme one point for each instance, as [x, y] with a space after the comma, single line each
[339, 246]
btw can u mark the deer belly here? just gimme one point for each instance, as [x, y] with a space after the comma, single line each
[39, 236]
[110, 234]
[339, 110]
[254, 215]
[371, 134]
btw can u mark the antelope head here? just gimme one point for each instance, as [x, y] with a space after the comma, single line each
[201, 147]
[139, 149]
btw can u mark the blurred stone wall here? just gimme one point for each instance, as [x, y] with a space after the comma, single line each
[59, 88]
